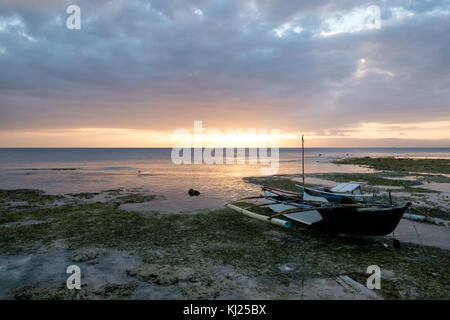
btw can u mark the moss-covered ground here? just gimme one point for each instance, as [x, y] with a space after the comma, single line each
[223, 237]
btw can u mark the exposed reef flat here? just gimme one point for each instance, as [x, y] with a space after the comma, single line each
[212, 254]
[400, 164]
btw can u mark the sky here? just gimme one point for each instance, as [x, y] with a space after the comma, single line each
[344, 73]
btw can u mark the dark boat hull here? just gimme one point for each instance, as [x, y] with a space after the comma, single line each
[361, 221]
[341, 217]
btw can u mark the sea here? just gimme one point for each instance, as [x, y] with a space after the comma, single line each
[76, 170]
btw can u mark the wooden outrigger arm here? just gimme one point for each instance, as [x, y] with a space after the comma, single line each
[278, 222]
[248, 198]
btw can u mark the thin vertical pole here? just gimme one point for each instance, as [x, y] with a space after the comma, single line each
[303, 161]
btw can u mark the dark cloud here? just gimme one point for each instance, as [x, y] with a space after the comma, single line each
[162, 64]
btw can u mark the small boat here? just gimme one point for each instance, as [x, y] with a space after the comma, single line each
[336, 216]
[342, 209]
[344, 193]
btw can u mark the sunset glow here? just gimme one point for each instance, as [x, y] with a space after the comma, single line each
[397, 134]
[133, 73]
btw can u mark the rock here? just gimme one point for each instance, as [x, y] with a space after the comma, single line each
[388, 274]
[209, 284]
[161, 274]
[295, 240]
[200, 291]
[285, 267]
[109, 291]
[193, 192]
[85, 254]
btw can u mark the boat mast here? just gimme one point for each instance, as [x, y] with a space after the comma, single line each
[303, 161]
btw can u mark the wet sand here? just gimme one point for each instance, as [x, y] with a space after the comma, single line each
[422, 234]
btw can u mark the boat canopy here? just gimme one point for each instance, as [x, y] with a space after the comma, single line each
[353, 188]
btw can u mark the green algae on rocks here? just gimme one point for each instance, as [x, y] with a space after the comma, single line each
[28, 195]
[84, 195]
[109, 291]
[223, 237]
[195, 243]
[371, 179]
[376, 179]
[275, 182]
[400, 164]
[136, 198]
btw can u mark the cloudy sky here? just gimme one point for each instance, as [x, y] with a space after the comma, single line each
[138, 70]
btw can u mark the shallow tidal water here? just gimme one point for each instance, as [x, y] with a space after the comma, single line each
[62, 171]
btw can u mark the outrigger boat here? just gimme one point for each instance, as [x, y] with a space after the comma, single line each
[338, 213]
[342, 209]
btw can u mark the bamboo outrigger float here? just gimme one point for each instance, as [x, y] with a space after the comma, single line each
[342, 209]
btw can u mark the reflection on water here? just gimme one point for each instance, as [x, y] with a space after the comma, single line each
[152, 170]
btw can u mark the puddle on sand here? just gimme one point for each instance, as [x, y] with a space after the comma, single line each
[441, 187]
[422, 233]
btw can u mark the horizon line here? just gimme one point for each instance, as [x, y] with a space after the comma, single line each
[387, 147]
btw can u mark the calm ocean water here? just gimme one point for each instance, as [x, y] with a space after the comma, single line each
[102, 169]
